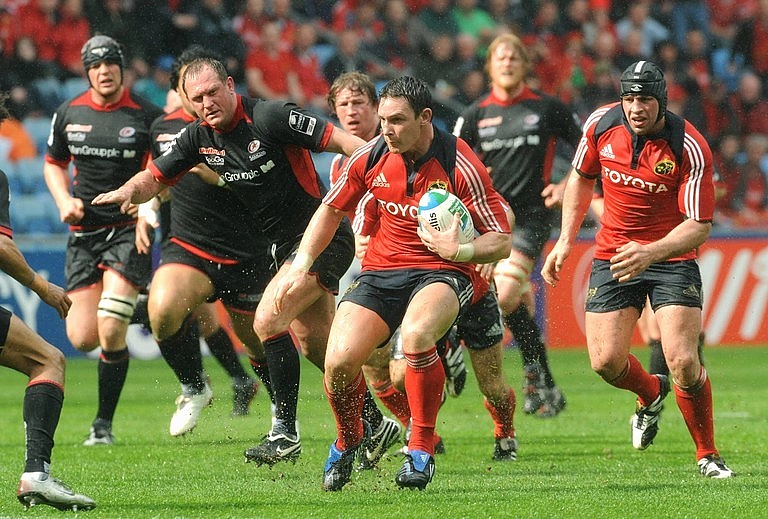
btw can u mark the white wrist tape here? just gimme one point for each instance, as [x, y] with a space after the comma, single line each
[148, 211]
[302, 261]
[465, 253]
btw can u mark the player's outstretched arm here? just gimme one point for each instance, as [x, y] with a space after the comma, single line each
[13, 263]
[139, 189]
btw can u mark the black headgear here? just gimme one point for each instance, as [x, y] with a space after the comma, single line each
[101, 48]
[645, 78]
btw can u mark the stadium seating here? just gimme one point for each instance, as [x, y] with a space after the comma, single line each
[30, 175]
[31, 214]
[39, 128]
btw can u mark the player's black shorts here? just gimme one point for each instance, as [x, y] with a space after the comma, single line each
[668, 283]
[388, 292]
[533, 227]
[5, 325]
[480, 326]
[334, 261]
[239, 286]
[90, 252]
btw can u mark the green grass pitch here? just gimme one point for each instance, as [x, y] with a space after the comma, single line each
[579, 464]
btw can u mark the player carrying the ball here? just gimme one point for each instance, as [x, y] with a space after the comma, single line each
[420, 277]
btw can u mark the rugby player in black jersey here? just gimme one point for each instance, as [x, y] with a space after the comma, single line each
[514, 130]
[205, 255]
[260, 150]
[104, 132]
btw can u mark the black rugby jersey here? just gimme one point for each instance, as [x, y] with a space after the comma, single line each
[108, 145]
[516, 140]
[5, 201]
[265, 160]
[209, 218]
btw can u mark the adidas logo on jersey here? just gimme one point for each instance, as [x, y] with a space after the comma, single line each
[607, 152]
[380, 181]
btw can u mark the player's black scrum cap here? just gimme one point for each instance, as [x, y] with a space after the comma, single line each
[645, 78]
[101, 48]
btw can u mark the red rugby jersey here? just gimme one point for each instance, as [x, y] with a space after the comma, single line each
[397, 187]
[650, 183]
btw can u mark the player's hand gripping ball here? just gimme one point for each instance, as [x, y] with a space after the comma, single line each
[438, 206]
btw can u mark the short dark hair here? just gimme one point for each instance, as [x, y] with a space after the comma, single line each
[355, 81]
[189, 55]
[197, 65]
[414, 90]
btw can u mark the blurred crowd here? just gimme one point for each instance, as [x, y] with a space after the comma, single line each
[714, 54]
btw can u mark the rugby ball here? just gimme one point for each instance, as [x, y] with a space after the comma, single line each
[438, 206]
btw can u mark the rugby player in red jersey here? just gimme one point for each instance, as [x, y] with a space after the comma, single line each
[656, 171]
[415, 276]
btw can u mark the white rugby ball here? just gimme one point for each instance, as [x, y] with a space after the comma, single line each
[438, 206]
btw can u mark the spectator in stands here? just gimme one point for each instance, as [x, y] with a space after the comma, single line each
[399, 40]
[347, 58]
[598, 25]
[577, 16]
[364, 20]
[248, 23]
[750, 106]
[473, 85]
[631, 50]
[214, 31]
[604, 90]
[307, 65]
[696, 58]
[436, 18]
[466, 53]
[15, 142]
[73, 30]
[548, 28]
[473, 19]
[750, 198]
[34, 88]
[513, 16]
[751, 41]
[726, 155]
[155, 87]
[720, 116]
[577, 70]
[639, 19]
[37, 20]
[687, 15]
[438, 70]
[270, 72]
[725, 16]
[283, 14]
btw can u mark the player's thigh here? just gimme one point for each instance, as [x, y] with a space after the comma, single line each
[609, 335]
[430, 313]
[28, 353]
[81, 323]
[267, 322]
[176, 290]
[313, 325]
[355, 332]
[680, 327]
